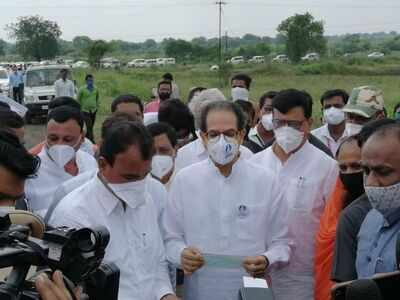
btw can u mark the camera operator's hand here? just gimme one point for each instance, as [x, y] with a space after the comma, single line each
[256, 266]
[53, 289]
[191, 260]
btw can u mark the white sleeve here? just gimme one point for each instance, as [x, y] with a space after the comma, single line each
[278, 239]
[172, 221]
[57, 89]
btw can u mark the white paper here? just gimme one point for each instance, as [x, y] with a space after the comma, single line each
[250, 282]
[15, 106]
[223, 261]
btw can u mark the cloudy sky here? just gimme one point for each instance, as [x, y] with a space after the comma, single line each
[137, 20]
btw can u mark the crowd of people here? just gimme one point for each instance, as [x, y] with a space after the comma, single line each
[179, 183]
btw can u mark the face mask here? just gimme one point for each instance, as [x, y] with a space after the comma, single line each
[161, 165]
[61, 154]
[132, 193]
[384, 199]
[239, 93]
[354, 184]
[334, 116]
[164, 96]
[288, 138]
[223, 149]
[353, 129]
[266, 122]
[89, 83]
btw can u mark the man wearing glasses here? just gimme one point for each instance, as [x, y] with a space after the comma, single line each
[228, 220]
[307, 176]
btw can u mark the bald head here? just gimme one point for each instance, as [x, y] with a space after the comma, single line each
[381, 157]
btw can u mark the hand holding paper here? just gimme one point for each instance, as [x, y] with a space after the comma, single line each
[256, 266]
[191, 260]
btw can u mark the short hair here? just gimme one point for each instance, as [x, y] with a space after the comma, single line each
[175, 113]
[164, 82]
[335, 93]
[168, 76]
[64, 101]
[390, 130]
[63, 114]
[247, 107]
[246, 78]
[115, 118]
[222, 106]
[88, 76]
[10, 119]
[353, 138]
[15, 158]
[286, 100]
[369, 128]
[121, 135]
[160, 128]
[193, 91]
[4, 105]
[265, 96]
[128, 98]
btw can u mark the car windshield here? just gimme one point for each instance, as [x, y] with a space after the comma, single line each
[3, 74]
[44, 77]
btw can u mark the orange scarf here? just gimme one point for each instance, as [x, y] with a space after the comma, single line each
[325, 243]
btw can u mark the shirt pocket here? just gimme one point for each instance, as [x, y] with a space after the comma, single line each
[301, 194]
[250, 222]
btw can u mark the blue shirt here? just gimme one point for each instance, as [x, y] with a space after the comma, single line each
[16, 79]
[376, 249]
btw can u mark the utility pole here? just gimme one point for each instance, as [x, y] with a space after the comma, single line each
[220, 4]
[226, 42]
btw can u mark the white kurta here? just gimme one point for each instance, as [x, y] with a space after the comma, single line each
[195, 152]
[135, 246]
[40, 190]
[322, 133]
[307, 179]
[243, 214]
[64, 88]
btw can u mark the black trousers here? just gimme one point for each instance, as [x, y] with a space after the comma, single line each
[90, 119]
[17, 94]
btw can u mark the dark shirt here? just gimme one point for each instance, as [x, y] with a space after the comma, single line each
[253, 147]
[350, 221]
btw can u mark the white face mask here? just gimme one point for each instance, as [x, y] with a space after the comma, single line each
[353, 129]
[384, 199]
[223, 149]
[288, 138]
[132, 193]
[239, 93]
[334, 116]
[161, 165]
[266, 122]
[61, 154]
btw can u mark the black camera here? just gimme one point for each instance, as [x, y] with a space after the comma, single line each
[78, 253]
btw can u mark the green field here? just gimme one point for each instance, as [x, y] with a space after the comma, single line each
[112, 83]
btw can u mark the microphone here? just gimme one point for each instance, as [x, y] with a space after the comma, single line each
[363, 289]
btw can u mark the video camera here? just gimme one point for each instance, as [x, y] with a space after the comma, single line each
[77, 253]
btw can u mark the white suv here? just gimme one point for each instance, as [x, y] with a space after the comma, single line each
[236, 60]
[310, 57]
[281, 58]
[257, 60]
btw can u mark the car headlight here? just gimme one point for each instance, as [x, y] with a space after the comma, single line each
[29, 98]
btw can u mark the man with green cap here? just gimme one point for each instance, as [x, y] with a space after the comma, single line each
[365, 104]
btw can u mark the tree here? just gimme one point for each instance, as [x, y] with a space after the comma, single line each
[81, 43]
[3, 45]
[96, 52]
[302, 34]
[35, 37]
[179, 49]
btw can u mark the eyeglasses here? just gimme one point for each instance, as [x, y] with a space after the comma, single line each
[212, 134]
[290, 123]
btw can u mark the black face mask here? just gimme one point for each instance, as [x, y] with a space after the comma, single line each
[354, 184]
[164, 96]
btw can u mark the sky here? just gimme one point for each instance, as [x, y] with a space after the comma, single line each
[138, 20]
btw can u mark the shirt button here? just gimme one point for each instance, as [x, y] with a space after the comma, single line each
[369, 258]
[375, 244]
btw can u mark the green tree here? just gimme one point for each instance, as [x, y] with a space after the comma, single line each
[96, 52]
[302, 33]
[180, 49]
[81, 43]
[35, 37]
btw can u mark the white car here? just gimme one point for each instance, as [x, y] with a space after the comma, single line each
[170, 61]
[257, 60]
[281, 58]
[236, 60]
[375, 55]
[4, 82]
[214, 68]
[151, 62]
[137, 63]
[80, 65]
[310, 57]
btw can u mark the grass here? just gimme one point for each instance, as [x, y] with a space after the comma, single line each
[314, 78]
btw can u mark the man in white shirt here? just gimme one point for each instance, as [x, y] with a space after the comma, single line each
[333, 132]
[307, 177]
[118, 199]
[60, 156]
[226, 206]
[63, 86]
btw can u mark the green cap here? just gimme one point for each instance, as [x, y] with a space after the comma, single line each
[365, 101]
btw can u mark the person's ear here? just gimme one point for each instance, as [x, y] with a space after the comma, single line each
[310, 123]
[241, 135]
[102, 163]
[204, 138]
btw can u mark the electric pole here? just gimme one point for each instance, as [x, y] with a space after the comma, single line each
[220, 4]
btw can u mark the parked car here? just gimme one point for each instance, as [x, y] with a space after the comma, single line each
[110, 63]
[4, 83]
[170, 61]
[214, 68]
[137, 63]
[310, 57]
[151, 62]
[237, 60]
[80, 65]
[376, 55]
[257, 60]
[39, 88]
[281, 58]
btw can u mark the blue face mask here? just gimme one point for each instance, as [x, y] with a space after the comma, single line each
[89, 83]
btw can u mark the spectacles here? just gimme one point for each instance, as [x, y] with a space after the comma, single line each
[290, 123]
[212, 134]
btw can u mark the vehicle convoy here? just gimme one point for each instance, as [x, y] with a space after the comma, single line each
[39, 88]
